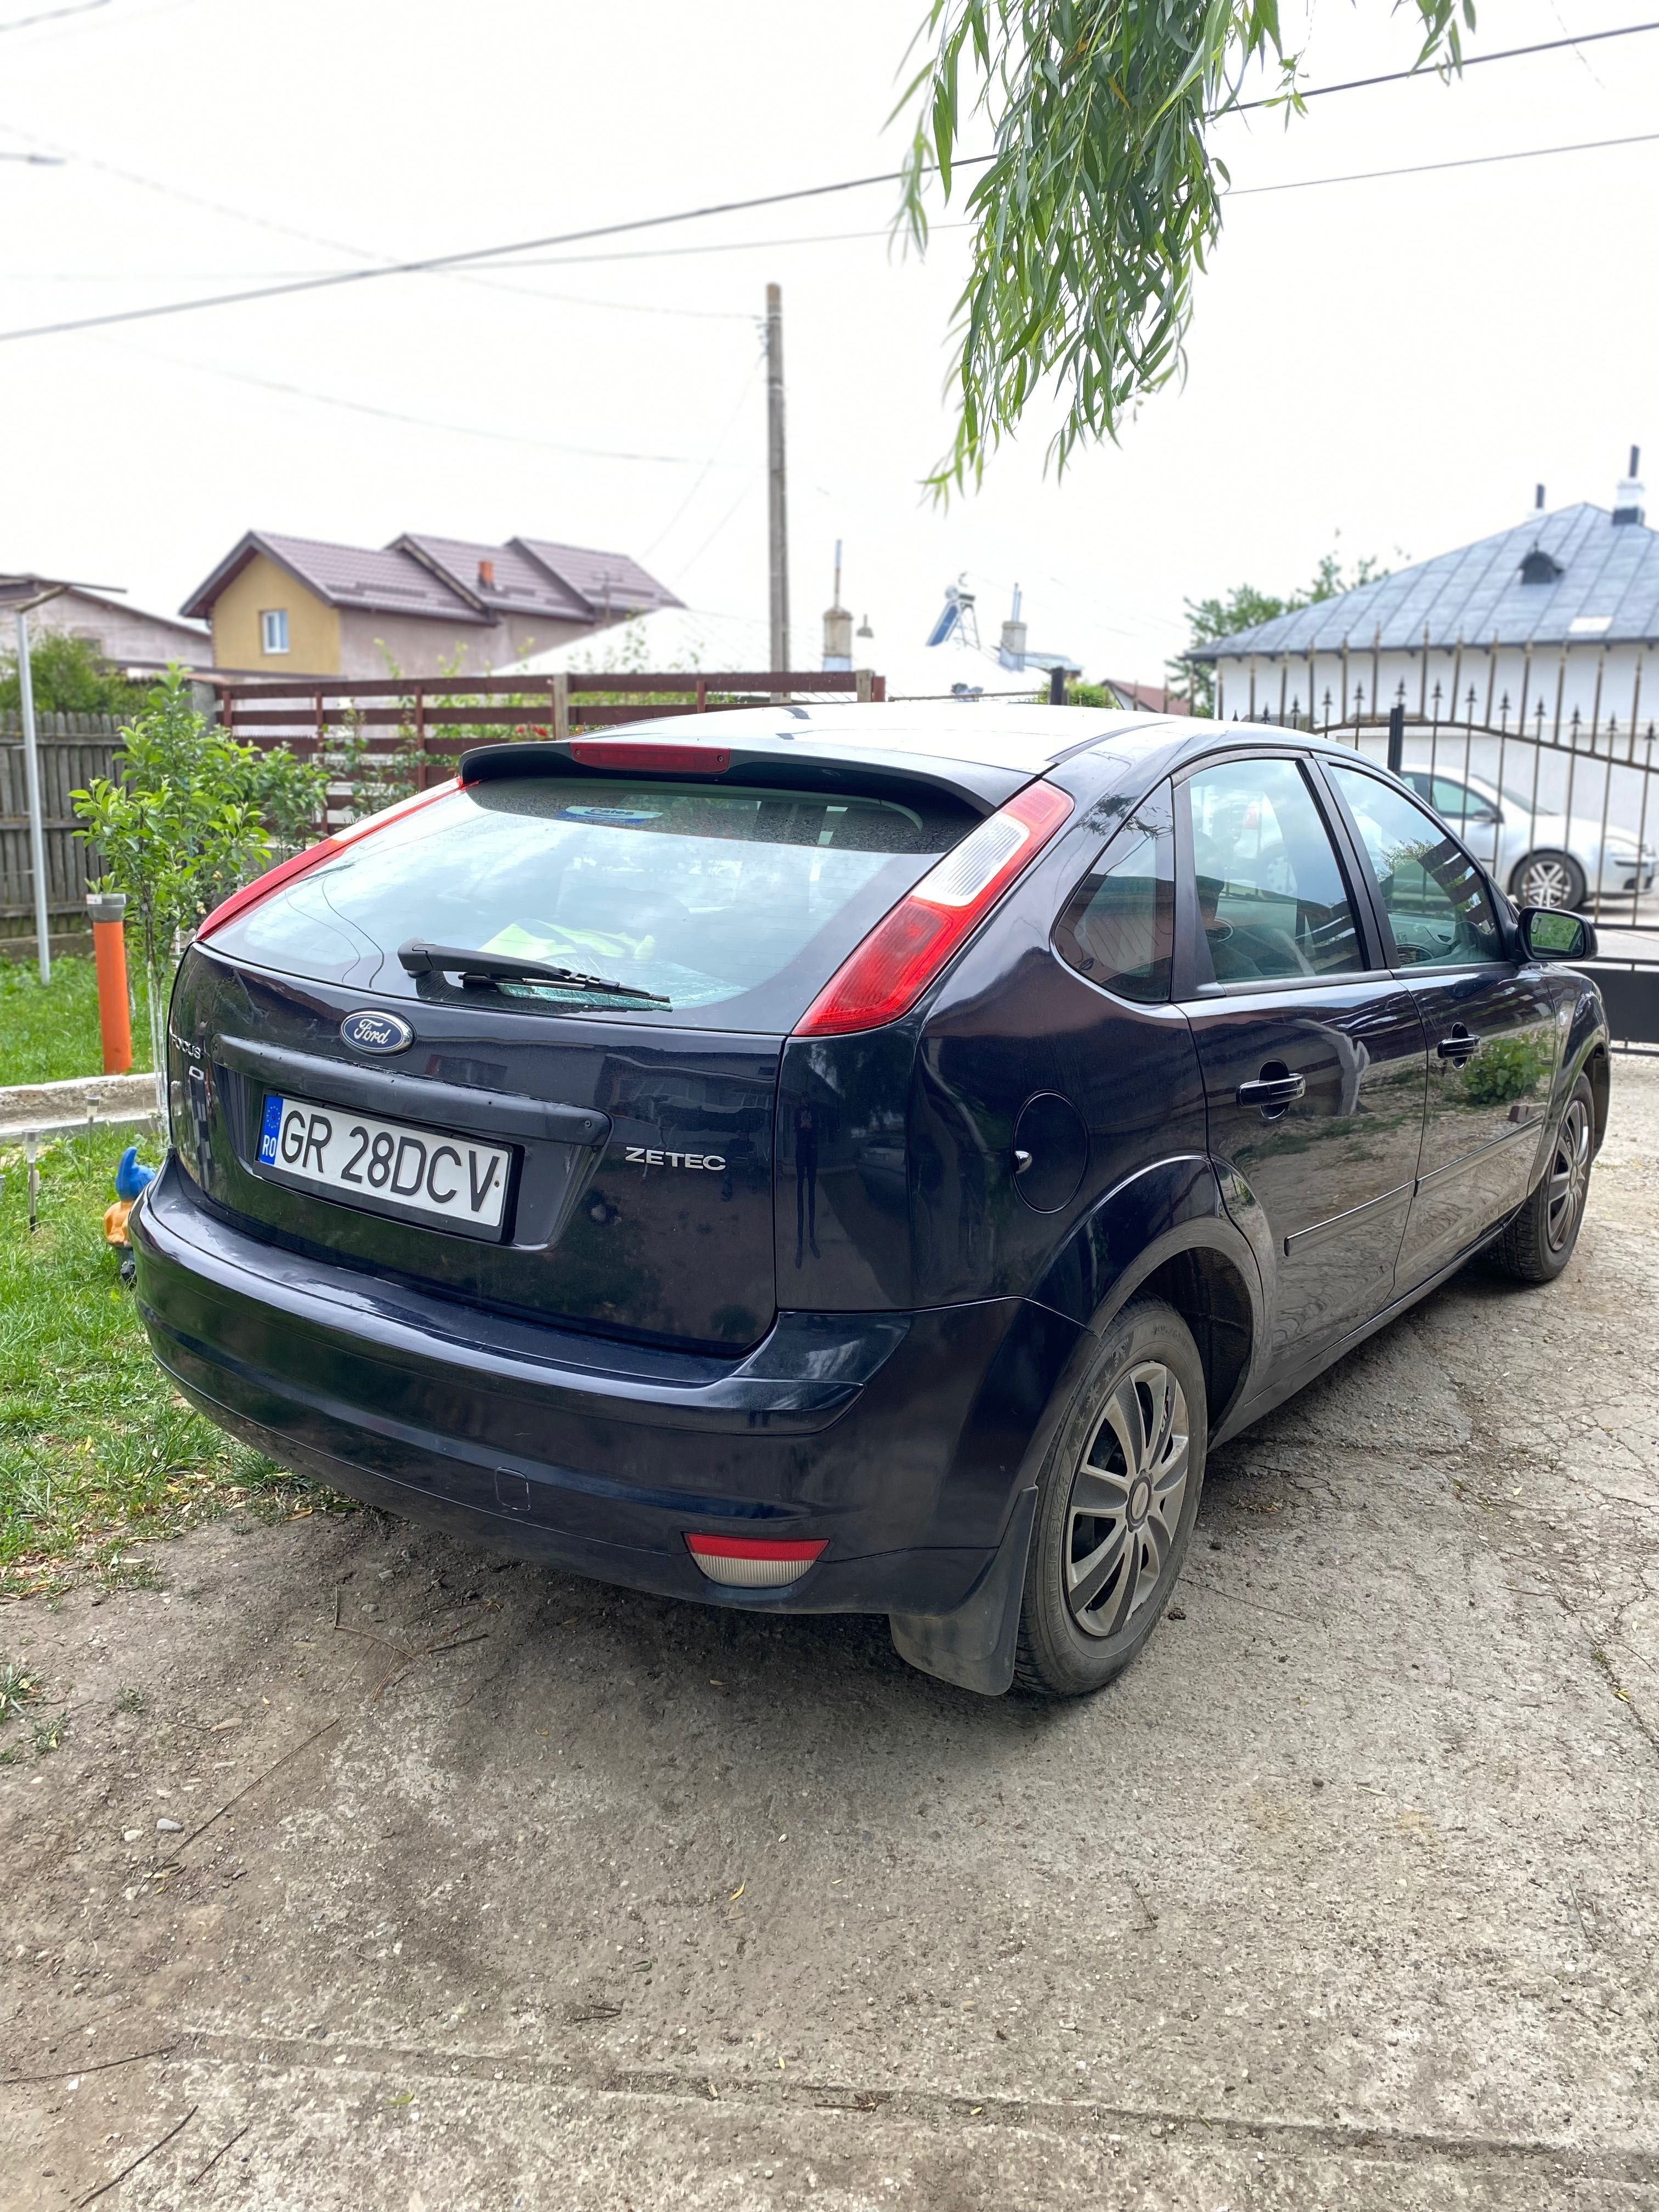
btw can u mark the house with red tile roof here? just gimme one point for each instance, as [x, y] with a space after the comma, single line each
[423, 605]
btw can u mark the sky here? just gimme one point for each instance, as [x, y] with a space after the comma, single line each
[1386, 368]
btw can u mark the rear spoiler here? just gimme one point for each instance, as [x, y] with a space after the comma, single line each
[783, 763]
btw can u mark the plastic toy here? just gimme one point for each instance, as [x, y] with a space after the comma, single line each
[130, 1177]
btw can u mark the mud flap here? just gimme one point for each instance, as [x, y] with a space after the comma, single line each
[974, 1646]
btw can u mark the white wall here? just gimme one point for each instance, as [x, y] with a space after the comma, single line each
[1563, 681]
[122, 634]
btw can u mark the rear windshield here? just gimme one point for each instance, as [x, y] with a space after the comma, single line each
[733, 907]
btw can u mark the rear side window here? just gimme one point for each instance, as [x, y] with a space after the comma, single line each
[1455, 801]
[1118, 926]
[732, 905]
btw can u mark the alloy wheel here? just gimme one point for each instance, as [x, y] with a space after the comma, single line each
[1547, 882]
[1125, 1501]
[1570, 1167]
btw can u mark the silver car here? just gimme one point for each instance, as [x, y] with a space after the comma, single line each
[1541, 859]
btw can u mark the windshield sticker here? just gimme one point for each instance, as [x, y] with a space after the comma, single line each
[609, 814]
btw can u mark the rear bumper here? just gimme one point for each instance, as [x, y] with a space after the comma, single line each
[898, 1438]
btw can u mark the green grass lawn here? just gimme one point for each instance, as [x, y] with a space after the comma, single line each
[97, 1450]
[48, 1035]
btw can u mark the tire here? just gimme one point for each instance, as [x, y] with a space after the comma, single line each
[1538, 1242]
[1118, 1450]
[1549, 879]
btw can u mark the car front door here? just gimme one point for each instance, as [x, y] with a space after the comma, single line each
[1313, 1055]
[1493, 1037]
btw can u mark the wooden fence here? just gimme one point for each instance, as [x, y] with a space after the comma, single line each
[396, 732]
[430, 722]
[74, 748]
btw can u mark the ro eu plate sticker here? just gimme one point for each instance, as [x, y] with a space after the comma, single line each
[270, 1130]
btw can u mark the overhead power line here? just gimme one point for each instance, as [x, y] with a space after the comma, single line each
[52, 15]
[470, 256]
[1423, 168]
[1470, 61]
[395, 415]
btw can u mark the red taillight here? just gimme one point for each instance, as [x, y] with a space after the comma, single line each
[908, 948]
[325, 850]
[672, 760]
[753, 1562]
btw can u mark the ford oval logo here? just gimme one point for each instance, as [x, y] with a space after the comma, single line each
[369, 1032]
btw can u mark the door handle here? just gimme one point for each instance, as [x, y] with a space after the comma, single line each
[1268, 1091]
[1459, 1045]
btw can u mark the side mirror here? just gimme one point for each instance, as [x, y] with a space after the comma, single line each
[1549, 933]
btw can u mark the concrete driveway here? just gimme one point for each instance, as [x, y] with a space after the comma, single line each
[530, 1893]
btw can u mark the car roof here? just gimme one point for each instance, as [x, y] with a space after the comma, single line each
[983, 751]
[991, 734]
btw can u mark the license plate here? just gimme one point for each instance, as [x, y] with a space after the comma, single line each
[453, 1179]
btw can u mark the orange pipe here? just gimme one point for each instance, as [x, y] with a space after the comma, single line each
[109, 952]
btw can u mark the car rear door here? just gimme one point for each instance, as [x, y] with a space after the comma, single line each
[1313, 1055]
[1493, 1037]
[522, 1045]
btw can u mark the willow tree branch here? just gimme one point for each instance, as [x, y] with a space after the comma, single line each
[1102, 199]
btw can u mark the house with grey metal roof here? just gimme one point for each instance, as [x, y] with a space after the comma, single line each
[423, 605]
[1546, 627]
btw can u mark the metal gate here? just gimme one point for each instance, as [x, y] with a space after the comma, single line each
[1569, 819]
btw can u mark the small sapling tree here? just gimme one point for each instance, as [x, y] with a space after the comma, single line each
[190, 815]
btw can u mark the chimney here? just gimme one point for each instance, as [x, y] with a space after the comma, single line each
[486, 575]
[1538, 502]
[1627, 500]
[838, 627]
[1012, 651]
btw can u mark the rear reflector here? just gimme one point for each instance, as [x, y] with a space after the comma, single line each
[909, 947]
[751, 1562]
[672, 760]
[337, 842]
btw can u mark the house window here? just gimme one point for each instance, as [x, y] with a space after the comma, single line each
[273, 630]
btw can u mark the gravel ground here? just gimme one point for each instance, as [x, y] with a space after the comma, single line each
[502, 1889]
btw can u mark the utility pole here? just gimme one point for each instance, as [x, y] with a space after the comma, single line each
[777, 510]
[37, 814]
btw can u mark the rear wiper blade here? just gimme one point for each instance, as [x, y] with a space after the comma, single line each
[420, 958]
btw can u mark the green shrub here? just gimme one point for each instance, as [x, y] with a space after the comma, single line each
[67, 676]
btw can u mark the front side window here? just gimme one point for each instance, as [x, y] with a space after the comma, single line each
[1272, 900]
[1455, 801]
[1437, 906]
[273, 630]
[1118, 925]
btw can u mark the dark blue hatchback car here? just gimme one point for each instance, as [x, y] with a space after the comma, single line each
[854, 1159]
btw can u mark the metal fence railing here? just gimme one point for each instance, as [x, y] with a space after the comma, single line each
[1630, 992]
[1569, 819]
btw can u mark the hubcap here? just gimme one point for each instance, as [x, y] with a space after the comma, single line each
[1546, 882]
[1125, 1502]
[1569, 1175]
